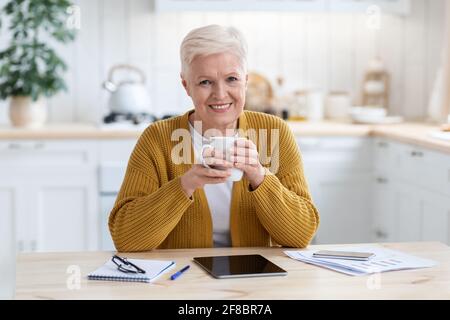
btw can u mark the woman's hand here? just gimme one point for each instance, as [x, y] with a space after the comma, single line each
[245, 157]
[199, 175]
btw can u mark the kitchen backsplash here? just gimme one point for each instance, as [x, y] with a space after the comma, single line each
[309, 50]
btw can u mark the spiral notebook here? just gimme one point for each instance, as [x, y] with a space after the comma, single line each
[153, 269]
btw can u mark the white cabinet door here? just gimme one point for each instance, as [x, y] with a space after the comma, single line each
[106, 204]
[397, 214]
[386, 156]
[343, 202]
[50, 187]
[14, 205]
[385, 167]
[338, 171]
[407, 212]
[420, 215]
[383, 217]
[113, 160]
[424, 168]
[7, 240]
[411, 195]
[65, 216]
[435, 218]
[53, 210]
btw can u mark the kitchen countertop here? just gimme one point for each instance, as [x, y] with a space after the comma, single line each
[70, 131]
[413, 133]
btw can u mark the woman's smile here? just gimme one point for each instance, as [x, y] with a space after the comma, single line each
[220, 108]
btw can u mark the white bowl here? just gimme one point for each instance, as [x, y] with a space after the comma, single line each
[368, 115]
[368, 112]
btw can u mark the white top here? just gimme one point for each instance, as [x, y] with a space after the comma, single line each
[218, 196]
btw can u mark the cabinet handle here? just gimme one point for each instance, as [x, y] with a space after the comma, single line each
[39, 146]
[383, 144]
[304, 144]
[14, 146]
[382, 180]
[33, 245]
[418, 154]
[21, 146]
[380, 234]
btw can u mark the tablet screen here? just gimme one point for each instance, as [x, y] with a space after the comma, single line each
[239, 266]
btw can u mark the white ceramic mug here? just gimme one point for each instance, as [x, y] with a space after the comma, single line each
[223, 145]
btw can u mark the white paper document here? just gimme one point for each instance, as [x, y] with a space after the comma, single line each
[383, 260]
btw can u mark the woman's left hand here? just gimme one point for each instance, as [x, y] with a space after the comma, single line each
[245, 157]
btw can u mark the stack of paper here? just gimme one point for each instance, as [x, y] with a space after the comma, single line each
[384, 260]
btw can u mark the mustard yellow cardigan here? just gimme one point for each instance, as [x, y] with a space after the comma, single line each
[152, 211]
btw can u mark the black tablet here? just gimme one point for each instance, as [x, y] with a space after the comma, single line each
[253, 265]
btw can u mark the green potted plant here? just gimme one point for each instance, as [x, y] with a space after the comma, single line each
[30, 69]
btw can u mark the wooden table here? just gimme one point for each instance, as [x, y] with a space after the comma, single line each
[56, 275]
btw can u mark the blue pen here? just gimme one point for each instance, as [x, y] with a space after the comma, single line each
[177, 274]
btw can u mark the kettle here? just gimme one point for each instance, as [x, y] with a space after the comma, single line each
[127, 97]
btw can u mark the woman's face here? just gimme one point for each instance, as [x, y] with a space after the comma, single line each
[216, 83]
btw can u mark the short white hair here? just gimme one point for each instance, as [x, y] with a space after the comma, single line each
[212, 39]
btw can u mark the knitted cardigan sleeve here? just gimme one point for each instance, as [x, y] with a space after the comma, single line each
[144, 214]
[282, 201]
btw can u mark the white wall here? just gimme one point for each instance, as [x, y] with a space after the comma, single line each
[323, 50]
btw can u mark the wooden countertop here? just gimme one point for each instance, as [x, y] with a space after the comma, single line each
[69, 131]
[45, 276]
[414, 133]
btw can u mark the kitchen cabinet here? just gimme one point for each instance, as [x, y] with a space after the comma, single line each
[383, 220]
[339, 172]
[423, 168]
[412, 193]
[435, 217]
[401, 7]
[377, 190]
[403, 212]
[50, 188]
[7, 242]
[113, 159]
[56, 195]
[385, 167]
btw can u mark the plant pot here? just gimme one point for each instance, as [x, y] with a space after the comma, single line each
[24, 112]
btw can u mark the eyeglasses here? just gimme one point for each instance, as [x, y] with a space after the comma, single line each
[126, 266]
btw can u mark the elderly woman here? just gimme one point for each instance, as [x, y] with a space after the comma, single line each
[168, 203]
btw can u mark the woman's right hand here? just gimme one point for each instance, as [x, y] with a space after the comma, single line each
[200, 175]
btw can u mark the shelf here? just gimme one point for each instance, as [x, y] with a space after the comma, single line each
[401, 7]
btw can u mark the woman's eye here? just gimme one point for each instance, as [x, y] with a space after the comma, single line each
[231, 79]
[205, 82]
